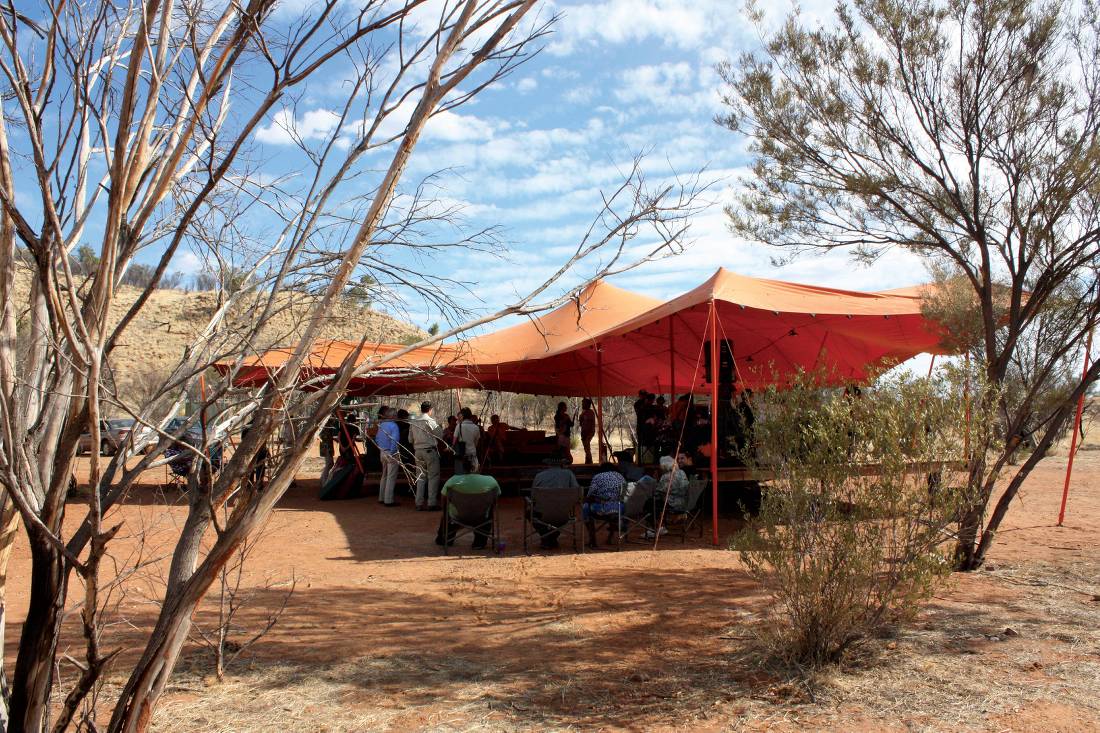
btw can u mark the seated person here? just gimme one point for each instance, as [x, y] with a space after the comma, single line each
[469, 483]
[554, 476]
[673, 484]
[626, 465]
[604, 499]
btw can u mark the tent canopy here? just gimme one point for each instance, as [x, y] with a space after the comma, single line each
[610, 341]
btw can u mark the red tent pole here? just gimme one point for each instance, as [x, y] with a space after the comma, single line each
[671, 365]
[599, 404]
[714, 419]
[1076, 429]
[931, 365]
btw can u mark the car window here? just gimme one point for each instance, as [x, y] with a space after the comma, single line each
[123, 423]
[174, 424]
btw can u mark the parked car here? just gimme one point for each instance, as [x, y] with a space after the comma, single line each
[107, 443]
[112, 436]
[121, 429]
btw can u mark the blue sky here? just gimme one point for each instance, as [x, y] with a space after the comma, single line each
[532, 154]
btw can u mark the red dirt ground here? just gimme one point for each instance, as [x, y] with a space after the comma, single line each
[383, 632]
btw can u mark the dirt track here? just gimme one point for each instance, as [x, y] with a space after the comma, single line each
[382, 632]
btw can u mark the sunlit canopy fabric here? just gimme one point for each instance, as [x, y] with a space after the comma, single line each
[609, 341]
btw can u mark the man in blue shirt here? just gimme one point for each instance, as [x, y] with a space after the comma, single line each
[388, 440]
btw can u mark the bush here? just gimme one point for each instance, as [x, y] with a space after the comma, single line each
[842, 554]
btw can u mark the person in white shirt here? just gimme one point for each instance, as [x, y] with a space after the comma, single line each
[467, 434]
[425, 433]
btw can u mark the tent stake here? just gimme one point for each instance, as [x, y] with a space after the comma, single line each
[1076, 429]
[714, 419]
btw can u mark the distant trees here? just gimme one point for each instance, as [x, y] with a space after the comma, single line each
[968, 133]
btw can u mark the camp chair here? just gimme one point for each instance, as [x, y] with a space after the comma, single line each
[556, 508]
[180, 459]
[632, 503]
[681, 522]
[466, 513]
[635, 507]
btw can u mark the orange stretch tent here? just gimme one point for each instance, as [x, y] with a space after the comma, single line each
[414, 371]
[610, 341]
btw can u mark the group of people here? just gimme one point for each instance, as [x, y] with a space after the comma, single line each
[415, 444]
[608, 491]
[564, 423]
[685, 427]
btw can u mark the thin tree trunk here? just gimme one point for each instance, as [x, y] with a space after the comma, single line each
[9, 525]
[33, 679]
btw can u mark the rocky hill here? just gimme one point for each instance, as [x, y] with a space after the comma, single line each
[172, 319]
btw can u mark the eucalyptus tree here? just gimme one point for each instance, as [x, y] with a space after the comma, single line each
[964, 131]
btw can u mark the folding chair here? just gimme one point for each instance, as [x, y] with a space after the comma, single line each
[632, 509]
[685, 520]
[471, 512]
[556, 508]
[635, 507]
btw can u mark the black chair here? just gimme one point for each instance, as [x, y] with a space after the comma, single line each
[465, 514]
[556, 510]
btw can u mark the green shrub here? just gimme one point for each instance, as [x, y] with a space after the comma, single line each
[851, 533]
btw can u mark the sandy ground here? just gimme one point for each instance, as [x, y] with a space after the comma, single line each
[384, 633]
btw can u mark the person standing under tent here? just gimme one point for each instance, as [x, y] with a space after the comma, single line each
[639, 419]
[389, 442]
[327, 448]
[494, 452]
[466, 436]
[347, 433]
[588, 428]
[449, 431]
[425, 434]
[405, 447]
[563, 427]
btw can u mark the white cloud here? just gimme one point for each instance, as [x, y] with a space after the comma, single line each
[186, 262]
[286, 129]
[653, 82]
[527, 84]
[681, 23]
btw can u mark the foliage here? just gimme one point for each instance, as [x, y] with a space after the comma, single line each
[362, 291]
[844, 554]
[968, 133]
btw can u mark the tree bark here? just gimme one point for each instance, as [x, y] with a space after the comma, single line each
[33, 679]
[9, 525]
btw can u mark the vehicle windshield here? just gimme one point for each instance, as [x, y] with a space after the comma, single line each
[123, 423]
[174, 425]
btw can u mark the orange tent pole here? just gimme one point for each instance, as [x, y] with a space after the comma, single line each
[714, 419]
[1076, 429]
[599, 404]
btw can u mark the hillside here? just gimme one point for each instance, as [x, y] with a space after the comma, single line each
[172, 319]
